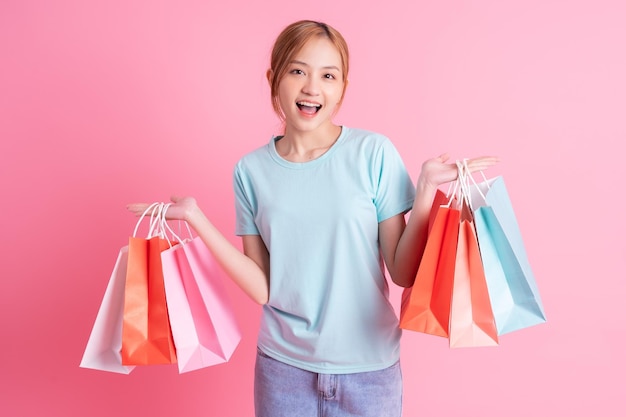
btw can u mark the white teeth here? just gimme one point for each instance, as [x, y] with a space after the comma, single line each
[308, 104]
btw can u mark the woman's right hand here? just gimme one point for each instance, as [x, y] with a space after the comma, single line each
[249, 271]
[181, 208]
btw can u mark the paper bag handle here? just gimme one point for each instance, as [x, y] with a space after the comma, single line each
[166, 226]
[152, 209]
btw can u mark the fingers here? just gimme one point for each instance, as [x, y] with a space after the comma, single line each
[478, 161]
[481, 163]
[182, 203]
[137, 208]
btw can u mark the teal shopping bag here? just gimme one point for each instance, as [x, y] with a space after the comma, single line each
[512, 287]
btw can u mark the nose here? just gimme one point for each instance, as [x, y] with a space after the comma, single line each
[311, 86]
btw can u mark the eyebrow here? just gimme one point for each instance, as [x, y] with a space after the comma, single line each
[328, 67]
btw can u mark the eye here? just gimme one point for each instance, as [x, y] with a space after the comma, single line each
[296, 71]
[329, 76]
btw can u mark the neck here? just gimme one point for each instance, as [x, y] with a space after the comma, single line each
[306, 146]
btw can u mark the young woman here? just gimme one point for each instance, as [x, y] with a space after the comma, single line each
[319, 209]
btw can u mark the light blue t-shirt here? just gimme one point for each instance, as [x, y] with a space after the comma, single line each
[328, 308]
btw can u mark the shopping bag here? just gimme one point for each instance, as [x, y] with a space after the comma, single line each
[425, 306]
[105, 341]
[202, 319]
[146, 333]
[512, 287]
[472, 323]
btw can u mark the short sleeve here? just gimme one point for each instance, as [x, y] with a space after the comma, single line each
[395, 191]
[245, 203]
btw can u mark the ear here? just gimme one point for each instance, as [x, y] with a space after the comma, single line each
[269, 75]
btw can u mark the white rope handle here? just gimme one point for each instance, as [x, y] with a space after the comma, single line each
[464, 191]
[155, 223]
[471, 178]
[166, 226]
[159, 226]
[451, 193]
[151, 208]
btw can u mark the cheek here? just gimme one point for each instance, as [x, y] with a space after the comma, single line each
[285, 88]
[284, 100]
[341, 92]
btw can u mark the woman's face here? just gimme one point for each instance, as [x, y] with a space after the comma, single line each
[312, 88]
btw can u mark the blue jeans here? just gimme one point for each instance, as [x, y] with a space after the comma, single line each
[281, 390]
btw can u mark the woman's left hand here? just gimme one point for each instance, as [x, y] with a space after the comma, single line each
[436, 171]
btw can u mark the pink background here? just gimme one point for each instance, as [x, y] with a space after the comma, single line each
[113, 101]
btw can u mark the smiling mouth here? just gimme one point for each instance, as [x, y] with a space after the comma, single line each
[309, 108]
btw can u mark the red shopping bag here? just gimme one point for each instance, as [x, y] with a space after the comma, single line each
[146, 333]
[425, 306]
[472, 321]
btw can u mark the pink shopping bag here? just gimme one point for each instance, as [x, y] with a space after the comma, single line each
[203, 323]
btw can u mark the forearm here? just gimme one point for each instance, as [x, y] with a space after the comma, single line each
[246, 273]
[412, 242]
[403, 244]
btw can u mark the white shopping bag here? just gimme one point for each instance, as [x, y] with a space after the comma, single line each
[105, 342]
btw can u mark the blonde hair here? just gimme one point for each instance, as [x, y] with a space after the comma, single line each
[290, 41]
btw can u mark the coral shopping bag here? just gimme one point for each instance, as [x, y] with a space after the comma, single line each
[512, 287]
[202, 319]
[146, 333]
[425, 306]
[472, 322]
[104, 344]
[471, 317]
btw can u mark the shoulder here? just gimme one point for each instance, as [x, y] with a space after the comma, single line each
[254, 158]
[370, 142]
[355, 134]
